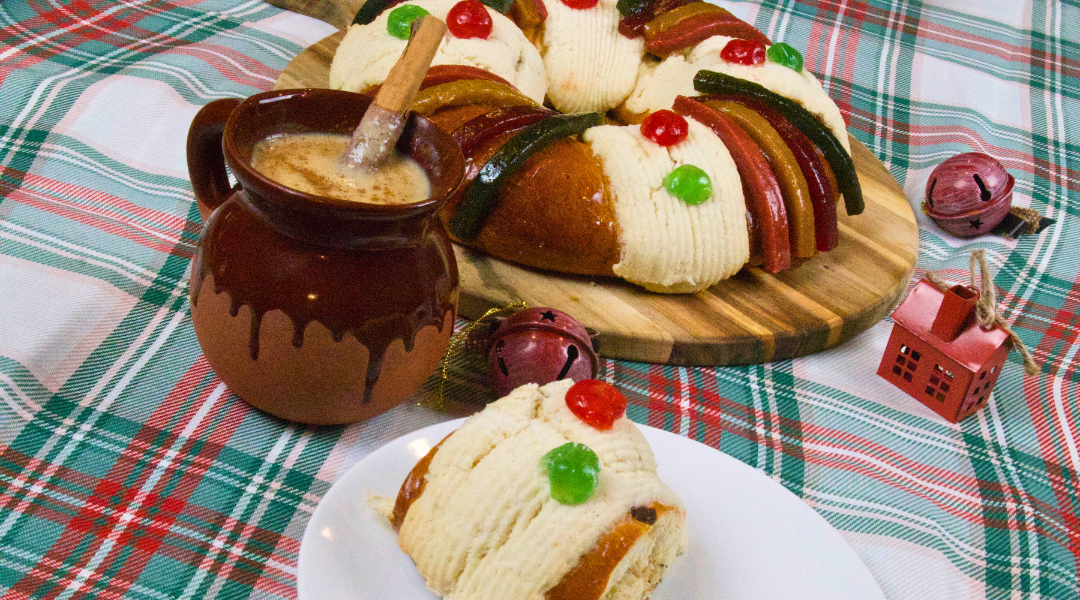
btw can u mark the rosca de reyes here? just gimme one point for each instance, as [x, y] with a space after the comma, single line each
[665, 142]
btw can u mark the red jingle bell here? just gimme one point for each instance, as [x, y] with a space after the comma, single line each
[540, 345]
[968, 194]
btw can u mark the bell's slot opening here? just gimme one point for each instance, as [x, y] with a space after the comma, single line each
[984, 192]
[572, 354]
[499, 359]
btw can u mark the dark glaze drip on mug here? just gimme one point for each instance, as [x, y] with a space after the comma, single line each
[265, 270]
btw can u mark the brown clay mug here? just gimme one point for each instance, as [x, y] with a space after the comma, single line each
[316, 309]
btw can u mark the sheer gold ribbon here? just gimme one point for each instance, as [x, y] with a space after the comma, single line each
[458, 344]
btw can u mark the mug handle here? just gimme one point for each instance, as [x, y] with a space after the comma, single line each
[205, 157]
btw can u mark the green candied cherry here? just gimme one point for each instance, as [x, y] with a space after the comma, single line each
[574, 472]
[783, 54]
[689, 184]
[399, 22]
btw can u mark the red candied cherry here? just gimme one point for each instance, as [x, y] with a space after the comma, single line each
[580, 4]
[469, 19]
[744, 52]
[664, 127]
[596, 402]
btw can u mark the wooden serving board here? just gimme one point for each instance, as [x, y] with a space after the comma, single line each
[751, 318]
[338, 13]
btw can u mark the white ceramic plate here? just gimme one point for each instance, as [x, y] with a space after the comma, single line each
[750, 537]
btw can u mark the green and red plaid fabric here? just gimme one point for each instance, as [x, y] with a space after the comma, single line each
[128, 470]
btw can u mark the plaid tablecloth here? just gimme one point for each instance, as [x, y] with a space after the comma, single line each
[128, 470]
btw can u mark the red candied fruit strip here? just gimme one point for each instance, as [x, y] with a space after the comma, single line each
[762, 192]
[440, 74]
[476, 132]
[698, 28]
[812, 165]
[541, 9]
[634, 25]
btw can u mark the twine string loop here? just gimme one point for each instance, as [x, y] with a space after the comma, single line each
[986, 308]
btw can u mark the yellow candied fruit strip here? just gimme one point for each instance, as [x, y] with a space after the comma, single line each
[470, 91]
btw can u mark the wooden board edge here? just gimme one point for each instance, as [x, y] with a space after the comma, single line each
[338, 13]
[319, 53]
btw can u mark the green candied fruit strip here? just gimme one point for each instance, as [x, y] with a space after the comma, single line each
[399, 22]
[689, 184]
[371, 9]
[574, 472]
[502, 6]
[784, 54]
[631, 7]
[479, 199]
[711, 82]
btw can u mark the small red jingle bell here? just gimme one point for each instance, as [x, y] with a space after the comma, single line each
[540, 345]
[968, 194]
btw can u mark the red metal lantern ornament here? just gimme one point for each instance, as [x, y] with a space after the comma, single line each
[540, 345]
[939, 355]
[949, 344]
[968, 194]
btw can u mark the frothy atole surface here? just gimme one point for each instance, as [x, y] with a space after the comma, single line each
[311, 162]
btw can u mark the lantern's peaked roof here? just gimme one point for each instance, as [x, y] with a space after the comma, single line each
[971, 348]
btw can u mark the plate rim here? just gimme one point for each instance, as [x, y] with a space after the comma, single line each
[440, 430]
